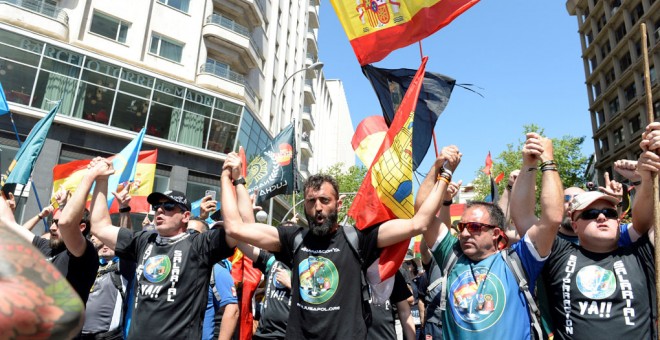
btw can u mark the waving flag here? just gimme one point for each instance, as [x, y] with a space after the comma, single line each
[69, 175]
[489, 165]
[368, 137]
[271, 172]
[377, 27]
[390, 87]
[386, 192]
[20, 169]
[4, 107]
[124, 164]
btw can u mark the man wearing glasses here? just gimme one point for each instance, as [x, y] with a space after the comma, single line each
[174, 266]
[599, 289]
[483, 300]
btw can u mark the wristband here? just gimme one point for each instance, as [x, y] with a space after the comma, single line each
[125, 209]
[238, 181]
[636, 183]
[442, 178]
[533, 168]
[447, 203]
[550, 162]
[39, 215]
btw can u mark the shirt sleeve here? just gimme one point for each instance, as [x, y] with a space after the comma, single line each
[531, 261]
[127, 244]
[400, 291]
[287, 234]
[213, 244]
[368, 239]
[264, 261]
[42, 244]
[224, 284]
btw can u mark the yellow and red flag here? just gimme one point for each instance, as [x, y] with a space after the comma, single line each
[386, 192]
[69, 176]
[377, 27]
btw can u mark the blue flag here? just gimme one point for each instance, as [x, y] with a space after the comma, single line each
[20, 169]
[125, 164]
[196, 210]
[4, 107]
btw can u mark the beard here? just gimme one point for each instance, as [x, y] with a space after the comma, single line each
[56, 244]
[324, 228]
[567, 223]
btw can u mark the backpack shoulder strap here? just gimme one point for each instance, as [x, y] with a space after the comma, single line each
[298, 239]
[212, 284]
[449, 263]
[514, 263]
[353, 241]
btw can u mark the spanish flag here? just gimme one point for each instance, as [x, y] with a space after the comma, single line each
[386, 192]
[377, 27]
[69, 176]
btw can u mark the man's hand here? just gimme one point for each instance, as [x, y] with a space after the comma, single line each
[449, 158]
[452, 190]
[649, 163]
[535, 149]
[124, 197]
[651, 137]
[627, 169]
[207, 206]
[513, 176]
[233, 162]
[612, 187]
[62, 196]
[45, 212]
[100, 168]
[283, 277]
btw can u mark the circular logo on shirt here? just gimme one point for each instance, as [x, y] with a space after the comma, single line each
[595, 282]
[477, 299]
[157, 268]
[318, 279]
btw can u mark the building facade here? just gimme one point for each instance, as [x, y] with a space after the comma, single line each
[610, 38]
[203, 77]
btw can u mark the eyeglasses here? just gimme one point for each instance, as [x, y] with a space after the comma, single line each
[57, 222]
[593, 214]
[568, 198]
[167, 206]
[473, 227]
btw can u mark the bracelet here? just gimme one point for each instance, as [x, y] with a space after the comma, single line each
[447, 203]
[444, 170]
[636, 183]
[125, 209]
[550, 162]
[40, 217]
[549, 168]
[533, 168]
[442, 178]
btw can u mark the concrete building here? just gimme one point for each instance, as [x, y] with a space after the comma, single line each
[611, 50]
[203, 77]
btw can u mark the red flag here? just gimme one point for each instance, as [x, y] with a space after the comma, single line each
[247, 278]
[386, 192]
[499, 177]
[377, 27]
[489, 165]
[241, 153]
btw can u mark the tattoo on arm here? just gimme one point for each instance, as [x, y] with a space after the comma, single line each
[36, 301]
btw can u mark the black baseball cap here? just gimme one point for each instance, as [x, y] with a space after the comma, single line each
[170, 195]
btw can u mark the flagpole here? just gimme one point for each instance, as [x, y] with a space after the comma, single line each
[34, 188]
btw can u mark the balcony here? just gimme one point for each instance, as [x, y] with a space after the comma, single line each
[310, 97]
[307, 118]
[218, 77]
[306, 148]
[230, 35]
[312, 44]
[254, 10]
[313, 14]
[37, 16]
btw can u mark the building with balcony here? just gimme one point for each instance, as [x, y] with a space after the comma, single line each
[201, 87]
[610, 38]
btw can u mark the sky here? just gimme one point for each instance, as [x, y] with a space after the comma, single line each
[523, 55]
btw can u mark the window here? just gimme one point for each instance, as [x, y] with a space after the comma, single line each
[597, 91]
[618, 135]
[604, 145]
[181, 5]
[637, 13]
[605, 49]
[634, 124]
[656, 109]
[614, 106]
[600, 118]
[590, 38]
[108, 27]
[652, 75]
[620, 32]
[630, 92]
[601, 23]
[166, 48]
[593, 62]
[625, 61]
[609, 78]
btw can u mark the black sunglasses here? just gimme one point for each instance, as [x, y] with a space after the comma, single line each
[57, 222]
[473, 227]
[167, 206]
[593, 214]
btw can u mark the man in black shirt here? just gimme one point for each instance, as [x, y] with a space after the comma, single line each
[326, 286]
[174, 267]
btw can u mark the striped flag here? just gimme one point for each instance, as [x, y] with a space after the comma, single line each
[377, 27]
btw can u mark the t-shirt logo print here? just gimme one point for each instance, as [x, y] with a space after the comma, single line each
[477, 305]
[318, 279]
[157, 268]
[595, 282]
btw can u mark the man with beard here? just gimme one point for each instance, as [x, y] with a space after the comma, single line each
[68, 249]
[327, 300]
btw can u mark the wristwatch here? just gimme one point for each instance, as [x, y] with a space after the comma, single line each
[238, 181]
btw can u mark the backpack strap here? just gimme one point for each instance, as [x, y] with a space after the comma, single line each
[450, 261]
[297, 241]
[353, 241]
[513, 262]
[115, 277]
[212, 284]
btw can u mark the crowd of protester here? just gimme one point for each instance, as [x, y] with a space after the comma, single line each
[503, 270]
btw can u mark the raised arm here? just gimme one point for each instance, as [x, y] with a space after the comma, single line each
[8, 221]
[445, 210]
[541, 231]
[99, 170]
[648, 164]
[123, 198]
[257, 234]
[424, 220]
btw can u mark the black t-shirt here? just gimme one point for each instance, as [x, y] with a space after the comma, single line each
[594, 295]
[277, 299]
[172, 280]
[382, 324]
[326, 300]
[79, 271]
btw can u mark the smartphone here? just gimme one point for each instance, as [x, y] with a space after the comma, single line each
[210, 193]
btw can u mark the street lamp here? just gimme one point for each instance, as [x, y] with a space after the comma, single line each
[315, 66]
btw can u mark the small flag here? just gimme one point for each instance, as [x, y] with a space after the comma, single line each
[499, 177]
[124, 164]
[489, 165]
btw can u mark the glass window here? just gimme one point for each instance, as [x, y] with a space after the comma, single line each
[166, 48]
[618, 135]
[630, 92]
[222, 137]
[130, 112]
[614, 106]
[181, 5]
[604, 145]
[94, 103]
[620, 32]
[625, 61]
[17, 80]
[635, 124]
[109, 27]
[600, 118]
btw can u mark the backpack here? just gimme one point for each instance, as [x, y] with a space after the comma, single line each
[512, 260]
[352, 237]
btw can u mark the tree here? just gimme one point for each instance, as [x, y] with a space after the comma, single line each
[349, 182]
[568, 156]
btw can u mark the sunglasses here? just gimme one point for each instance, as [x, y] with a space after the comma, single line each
[473, 227]
[167, 206]
[593, 214]
[568, 198]
[57, 222]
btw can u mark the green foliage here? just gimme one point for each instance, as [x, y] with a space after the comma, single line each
[349, 182]
[568, 156]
